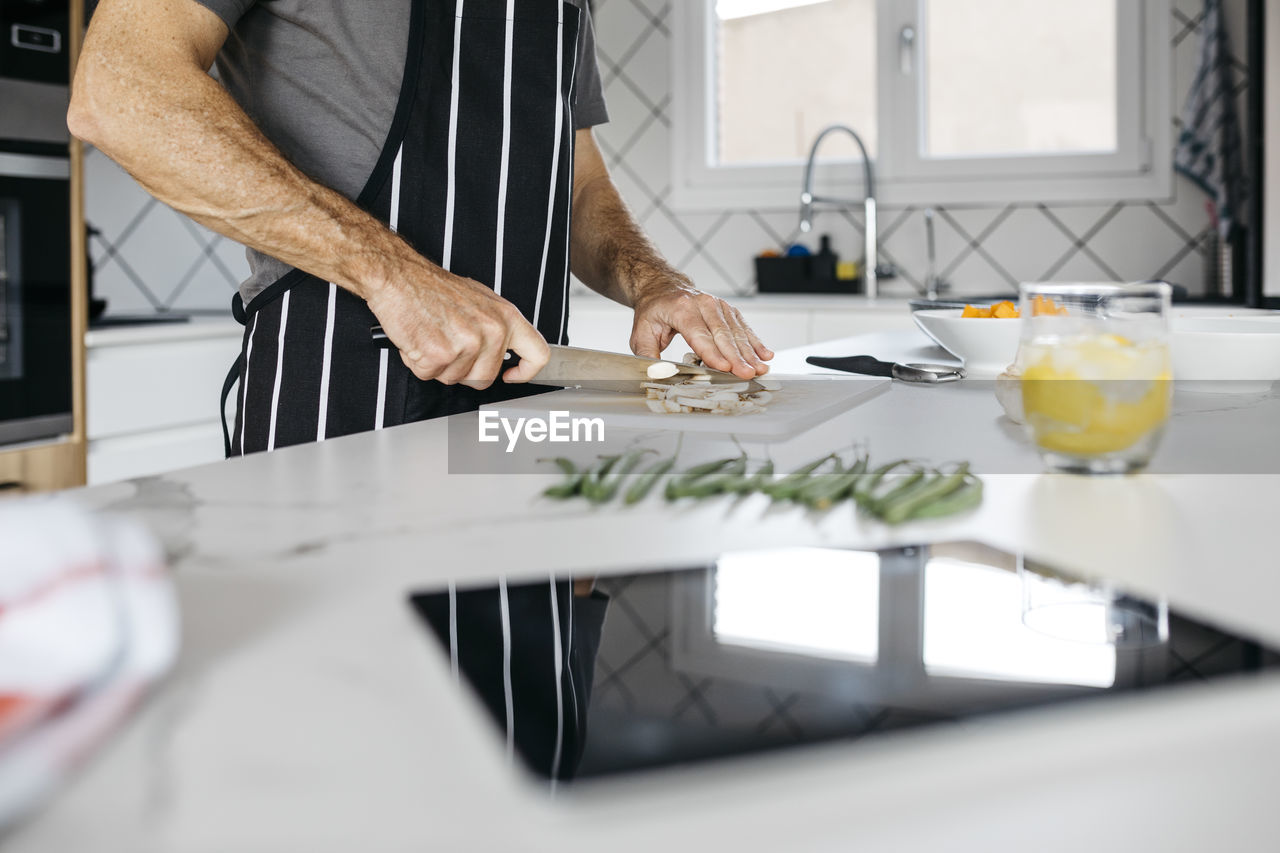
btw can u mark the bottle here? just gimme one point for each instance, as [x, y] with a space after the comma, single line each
[824, 260]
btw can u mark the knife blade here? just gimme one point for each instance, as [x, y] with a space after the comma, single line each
[576, 367]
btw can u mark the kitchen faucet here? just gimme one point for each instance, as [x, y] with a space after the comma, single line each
[808, 200]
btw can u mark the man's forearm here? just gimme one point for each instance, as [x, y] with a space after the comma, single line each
[189, 144]
[609, 251]
[612, 255]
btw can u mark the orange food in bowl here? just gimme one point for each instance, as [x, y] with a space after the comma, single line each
[1001, 311]
[1008, 311]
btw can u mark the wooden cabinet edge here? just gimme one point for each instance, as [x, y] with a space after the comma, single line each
[63, 464]
[42, 468]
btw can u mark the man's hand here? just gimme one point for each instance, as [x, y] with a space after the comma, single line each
[713, 327]
[612, 256]
[456, 330]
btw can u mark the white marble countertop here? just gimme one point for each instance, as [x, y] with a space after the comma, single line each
[310, 712]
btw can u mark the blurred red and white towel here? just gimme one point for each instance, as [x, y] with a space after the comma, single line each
[88, 619]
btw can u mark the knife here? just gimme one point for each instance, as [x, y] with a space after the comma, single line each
[575, 367]
[921, 374]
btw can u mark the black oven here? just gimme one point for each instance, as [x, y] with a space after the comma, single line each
[35, 297]
[35, 243]
[33, 75]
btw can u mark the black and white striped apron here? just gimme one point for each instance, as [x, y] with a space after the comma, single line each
[529, 651]
[476, 174]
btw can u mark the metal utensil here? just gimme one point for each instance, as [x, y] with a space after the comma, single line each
[920, 374]
[575, 367]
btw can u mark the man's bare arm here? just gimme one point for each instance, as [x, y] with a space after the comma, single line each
[142, 95]
[612, 255]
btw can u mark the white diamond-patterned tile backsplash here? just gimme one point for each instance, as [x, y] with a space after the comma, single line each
[979, 249]
[147, 257]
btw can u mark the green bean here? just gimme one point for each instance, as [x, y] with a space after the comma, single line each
[698, 471]
[824, 492]
[788, 486]
[865, 492]
[746, 484]
[646, 481]
[898, 487]
[966, 497]
[571, 484]
[936, 488]
[562, 491]
[712, 483]
[677, 486]
[904, 491]
[592, 479]
[607, 489]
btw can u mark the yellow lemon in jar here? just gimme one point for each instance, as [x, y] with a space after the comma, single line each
[1102, 396]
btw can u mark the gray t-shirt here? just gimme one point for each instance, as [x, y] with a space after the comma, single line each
[321, 81]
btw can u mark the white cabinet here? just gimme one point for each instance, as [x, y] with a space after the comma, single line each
[832, 325]
[782, 322]
[152, 397]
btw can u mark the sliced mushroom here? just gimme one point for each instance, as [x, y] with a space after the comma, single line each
[662, 370]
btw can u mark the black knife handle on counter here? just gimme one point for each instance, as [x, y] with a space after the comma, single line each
[862, 364]
[380, 340]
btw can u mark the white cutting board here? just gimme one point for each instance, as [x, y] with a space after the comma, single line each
[803, 402]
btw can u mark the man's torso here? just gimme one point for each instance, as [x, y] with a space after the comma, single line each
[322, 79]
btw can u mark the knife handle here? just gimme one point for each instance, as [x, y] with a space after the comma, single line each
[380, 340]
[862, 364]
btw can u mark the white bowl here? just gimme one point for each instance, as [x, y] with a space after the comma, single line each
[1227, 354]
[986, 345]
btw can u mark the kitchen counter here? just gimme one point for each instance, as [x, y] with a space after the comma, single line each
[795, 301]
[311, 711]
[196, 328]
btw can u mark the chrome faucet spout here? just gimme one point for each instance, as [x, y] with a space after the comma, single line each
[808, 200]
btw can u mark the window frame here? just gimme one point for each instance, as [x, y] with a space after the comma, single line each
[1141, 168]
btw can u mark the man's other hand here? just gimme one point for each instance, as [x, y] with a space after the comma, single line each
[714, 329]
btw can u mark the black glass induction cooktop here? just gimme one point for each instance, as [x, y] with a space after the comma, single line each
[771, 649]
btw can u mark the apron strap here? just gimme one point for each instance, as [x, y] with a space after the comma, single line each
[233, 375]
[237, 311]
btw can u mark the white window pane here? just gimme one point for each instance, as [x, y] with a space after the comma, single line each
[788, 68]
[816, 601]
[973, 628]
[1019, 77]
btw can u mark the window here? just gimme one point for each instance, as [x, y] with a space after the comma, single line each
[958, 101]
[974, 627]
[757, 607]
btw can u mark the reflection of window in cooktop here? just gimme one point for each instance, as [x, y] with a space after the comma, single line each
[770, 649]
